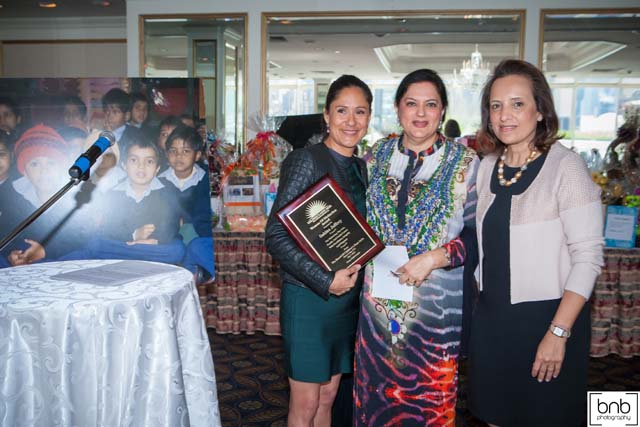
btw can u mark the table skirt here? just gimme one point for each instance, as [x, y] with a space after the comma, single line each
[615, 305]
[134, 360]
[245, 295]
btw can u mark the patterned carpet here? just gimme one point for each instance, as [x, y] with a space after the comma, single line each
[252, 387]
[253, 391]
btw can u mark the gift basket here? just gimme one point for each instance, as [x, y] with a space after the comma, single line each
[618, 175]
[250, 185]
[221, 157]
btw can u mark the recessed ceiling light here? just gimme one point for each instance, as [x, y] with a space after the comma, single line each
[337, 51]
[47, 4]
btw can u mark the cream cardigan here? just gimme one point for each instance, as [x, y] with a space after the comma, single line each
[556, 228]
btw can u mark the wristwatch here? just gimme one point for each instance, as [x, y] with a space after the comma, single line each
[559, 332]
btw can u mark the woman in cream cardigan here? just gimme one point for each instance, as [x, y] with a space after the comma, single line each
[539, 227]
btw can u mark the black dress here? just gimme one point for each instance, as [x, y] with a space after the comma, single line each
[505, 336]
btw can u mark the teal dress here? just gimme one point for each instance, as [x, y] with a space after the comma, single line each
[319, 335]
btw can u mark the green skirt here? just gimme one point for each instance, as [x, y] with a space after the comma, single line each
[318, 335]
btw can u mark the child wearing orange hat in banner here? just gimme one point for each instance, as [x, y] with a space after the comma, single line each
[41, 157]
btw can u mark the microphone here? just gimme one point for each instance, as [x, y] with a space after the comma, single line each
[89, 157]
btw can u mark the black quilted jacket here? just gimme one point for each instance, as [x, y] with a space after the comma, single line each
[301, 169]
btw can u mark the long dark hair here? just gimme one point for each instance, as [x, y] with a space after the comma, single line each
[546, 129]
[420, 76]
[343, 82]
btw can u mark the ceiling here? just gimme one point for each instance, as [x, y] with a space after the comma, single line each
[388, 48]
[64, 8]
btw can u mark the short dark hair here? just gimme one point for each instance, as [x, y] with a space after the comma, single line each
[172, 121]
[452, 129]
[12, 104]
[421, 76]
[138, 96]
[140, 142]
[546, 129]
[188, 134]
[75, 100]
[116, 97]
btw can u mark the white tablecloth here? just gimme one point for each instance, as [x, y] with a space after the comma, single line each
[78, 354]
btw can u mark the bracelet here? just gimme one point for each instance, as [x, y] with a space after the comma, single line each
[447, 256]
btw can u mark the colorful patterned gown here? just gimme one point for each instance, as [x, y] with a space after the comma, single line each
[406, 352]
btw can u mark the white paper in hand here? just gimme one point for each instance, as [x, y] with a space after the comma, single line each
[385, 284]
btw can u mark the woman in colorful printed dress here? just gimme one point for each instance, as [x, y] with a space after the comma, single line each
[421, 195]
[539, 230]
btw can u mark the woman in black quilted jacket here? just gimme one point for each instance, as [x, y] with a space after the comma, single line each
[319, 308]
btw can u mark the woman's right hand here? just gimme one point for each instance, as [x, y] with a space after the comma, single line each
[344, 280]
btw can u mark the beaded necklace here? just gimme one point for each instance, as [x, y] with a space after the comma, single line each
[509, 182]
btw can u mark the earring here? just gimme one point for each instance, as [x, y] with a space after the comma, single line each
[327, 128]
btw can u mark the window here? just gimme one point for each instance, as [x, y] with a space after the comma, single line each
[381, 48]
[210, 47]
[590, 60]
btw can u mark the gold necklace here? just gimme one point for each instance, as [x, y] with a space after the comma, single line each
[508, 183]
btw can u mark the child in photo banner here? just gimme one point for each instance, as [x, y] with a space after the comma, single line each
[10, 116]
[167, 125]
[116, 107]
[184, 149]
[140, 217]
[75, 113]
[13, 207]
[76, 139]
[139, 110]
[106, 173]
[42, 158]
[139, 117]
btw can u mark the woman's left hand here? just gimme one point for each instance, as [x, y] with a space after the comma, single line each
[549, 357]
[417, 269]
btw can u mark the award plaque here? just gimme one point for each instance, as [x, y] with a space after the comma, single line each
[328, 227]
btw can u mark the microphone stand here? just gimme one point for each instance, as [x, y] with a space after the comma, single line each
[46, 205]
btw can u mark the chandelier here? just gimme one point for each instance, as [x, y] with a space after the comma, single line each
[474, 72]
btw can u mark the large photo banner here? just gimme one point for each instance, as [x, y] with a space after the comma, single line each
[146, 198]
